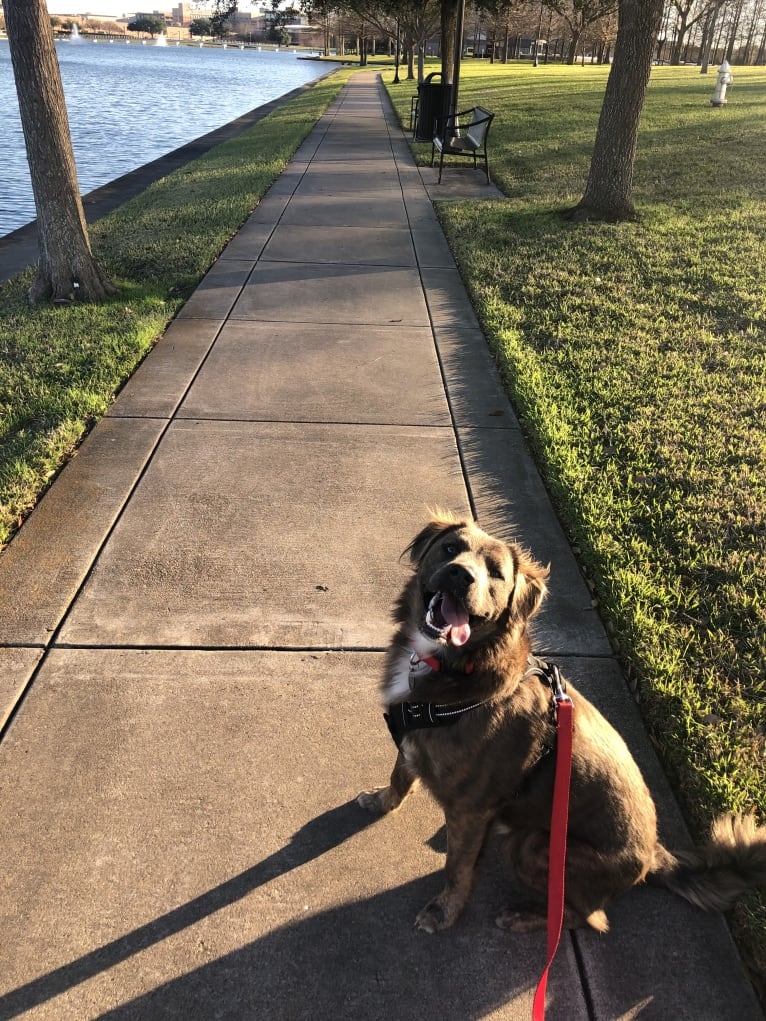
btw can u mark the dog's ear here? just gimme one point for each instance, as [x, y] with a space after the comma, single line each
[442, 521]
[529, 589]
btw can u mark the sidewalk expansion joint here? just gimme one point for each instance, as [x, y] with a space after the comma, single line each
[434, 427]
[586, 657]
[587, 993]
[393, 324]
[298, 649]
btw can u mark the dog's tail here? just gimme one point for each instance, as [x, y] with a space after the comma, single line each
[714, 876]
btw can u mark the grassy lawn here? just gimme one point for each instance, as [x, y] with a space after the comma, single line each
[60, 367]
[636, 356]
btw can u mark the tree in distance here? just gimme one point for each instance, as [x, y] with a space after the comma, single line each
[152, 24]
[578, 17]
[200, 26]
[280, 36]
[280, 18]
[66, 270]
[219, 12]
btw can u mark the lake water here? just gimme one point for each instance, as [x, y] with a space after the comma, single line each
[129, 104]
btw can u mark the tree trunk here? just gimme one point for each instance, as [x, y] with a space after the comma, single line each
[448, 20]
[707, 38]
[66, 269]
[411, 62]
[761, 54]
[714, 59]
[733, 36]
[572, 51]
[745, 57]
[675, 56]
[610, 181]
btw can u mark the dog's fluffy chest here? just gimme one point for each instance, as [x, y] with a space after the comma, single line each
[407, 662]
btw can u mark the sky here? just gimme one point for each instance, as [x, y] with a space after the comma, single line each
[119, 7]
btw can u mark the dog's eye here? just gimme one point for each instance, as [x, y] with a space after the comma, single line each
[450, 549]
[495, 572]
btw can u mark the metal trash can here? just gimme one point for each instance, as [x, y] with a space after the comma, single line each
[433, 105]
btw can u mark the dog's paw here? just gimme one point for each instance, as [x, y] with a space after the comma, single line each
[377, 801]
[434, 917]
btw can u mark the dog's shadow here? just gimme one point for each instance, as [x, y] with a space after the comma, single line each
[320, 835]
[365, 960]
[362, 959]
[359, 959]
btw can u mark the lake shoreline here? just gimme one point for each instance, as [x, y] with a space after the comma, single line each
[18, 249]
[130, 105]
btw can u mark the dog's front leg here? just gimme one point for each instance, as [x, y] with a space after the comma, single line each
[465, 838]
[386, 799]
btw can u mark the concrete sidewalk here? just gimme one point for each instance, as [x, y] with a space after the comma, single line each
[192, 626]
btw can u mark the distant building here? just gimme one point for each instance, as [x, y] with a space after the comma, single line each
[253, 24]
[241, 22]
[165, 15]
[302, 33]
[184, 14]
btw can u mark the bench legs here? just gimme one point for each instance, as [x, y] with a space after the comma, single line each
[475, 165]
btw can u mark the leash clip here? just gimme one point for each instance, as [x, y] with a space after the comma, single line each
[558, 686]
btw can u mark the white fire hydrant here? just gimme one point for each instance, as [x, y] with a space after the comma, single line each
[725, 78]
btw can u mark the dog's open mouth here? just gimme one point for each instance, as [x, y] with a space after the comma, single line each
[447, 615]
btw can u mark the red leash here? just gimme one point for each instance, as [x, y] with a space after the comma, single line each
[558, 844]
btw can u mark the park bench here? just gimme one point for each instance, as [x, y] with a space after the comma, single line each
[463, 134]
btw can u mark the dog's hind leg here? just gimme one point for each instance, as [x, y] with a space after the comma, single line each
[465, 839]
[386, 799]
[591, 881]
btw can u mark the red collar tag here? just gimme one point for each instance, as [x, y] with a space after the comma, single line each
[433, 663]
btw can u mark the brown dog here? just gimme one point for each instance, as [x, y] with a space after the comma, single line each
[473, 715]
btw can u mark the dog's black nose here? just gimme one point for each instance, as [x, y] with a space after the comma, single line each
[460, 575]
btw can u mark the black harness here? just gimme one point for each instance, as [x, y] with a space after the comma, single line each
[404, 717]
[407, 716]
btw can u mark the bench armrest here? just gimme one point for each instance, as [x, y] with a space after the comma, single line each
[451, 123]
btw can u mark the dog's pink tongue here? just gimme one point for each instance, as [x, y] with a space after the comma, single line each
[457, 619]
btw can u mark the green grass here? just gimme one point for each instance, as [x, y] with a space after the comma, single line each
[636, 356]
[61, 367]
